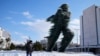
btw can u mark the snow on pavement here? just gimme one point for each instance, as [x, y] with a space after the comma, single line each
[41, 53]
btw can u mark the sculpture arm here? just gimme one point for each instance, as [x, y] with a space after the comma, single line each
[50, 18]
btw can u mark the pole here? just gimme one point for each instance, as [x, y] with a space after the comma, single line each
[77, 36]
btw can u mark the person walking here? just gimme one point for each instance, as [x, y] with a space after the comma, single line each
[29, 48]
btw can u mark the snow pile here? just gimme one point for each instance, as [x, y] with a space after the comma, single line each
[22, 53]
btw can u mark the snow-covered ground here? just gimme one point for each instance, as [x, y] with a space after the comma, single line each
[42, 53]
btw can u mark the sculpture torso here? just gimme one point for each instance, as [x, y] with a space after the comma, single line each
[61, 18]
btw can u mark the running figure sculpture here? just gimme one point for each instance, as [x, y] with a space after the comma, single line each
[60, 21]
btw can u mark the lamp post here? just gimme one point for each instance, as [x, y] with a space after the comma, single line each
[77, 32]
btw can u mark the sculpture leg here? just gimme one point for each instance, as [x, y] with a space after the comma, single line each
[68, 35]
[54, 33]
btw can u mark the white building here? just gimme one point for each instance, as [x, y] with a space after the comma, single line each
[90, 27]
[44, 43]
[4, 39]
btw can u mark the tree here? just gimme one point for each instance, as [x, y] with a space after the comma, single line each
[37, 46]
[12, 46]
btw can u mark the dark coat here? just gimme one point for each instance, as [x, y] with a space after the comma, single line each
[29, 46]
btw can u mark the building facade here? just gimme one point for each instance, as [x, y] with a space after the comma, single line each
[90, 27]
[4, 39]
